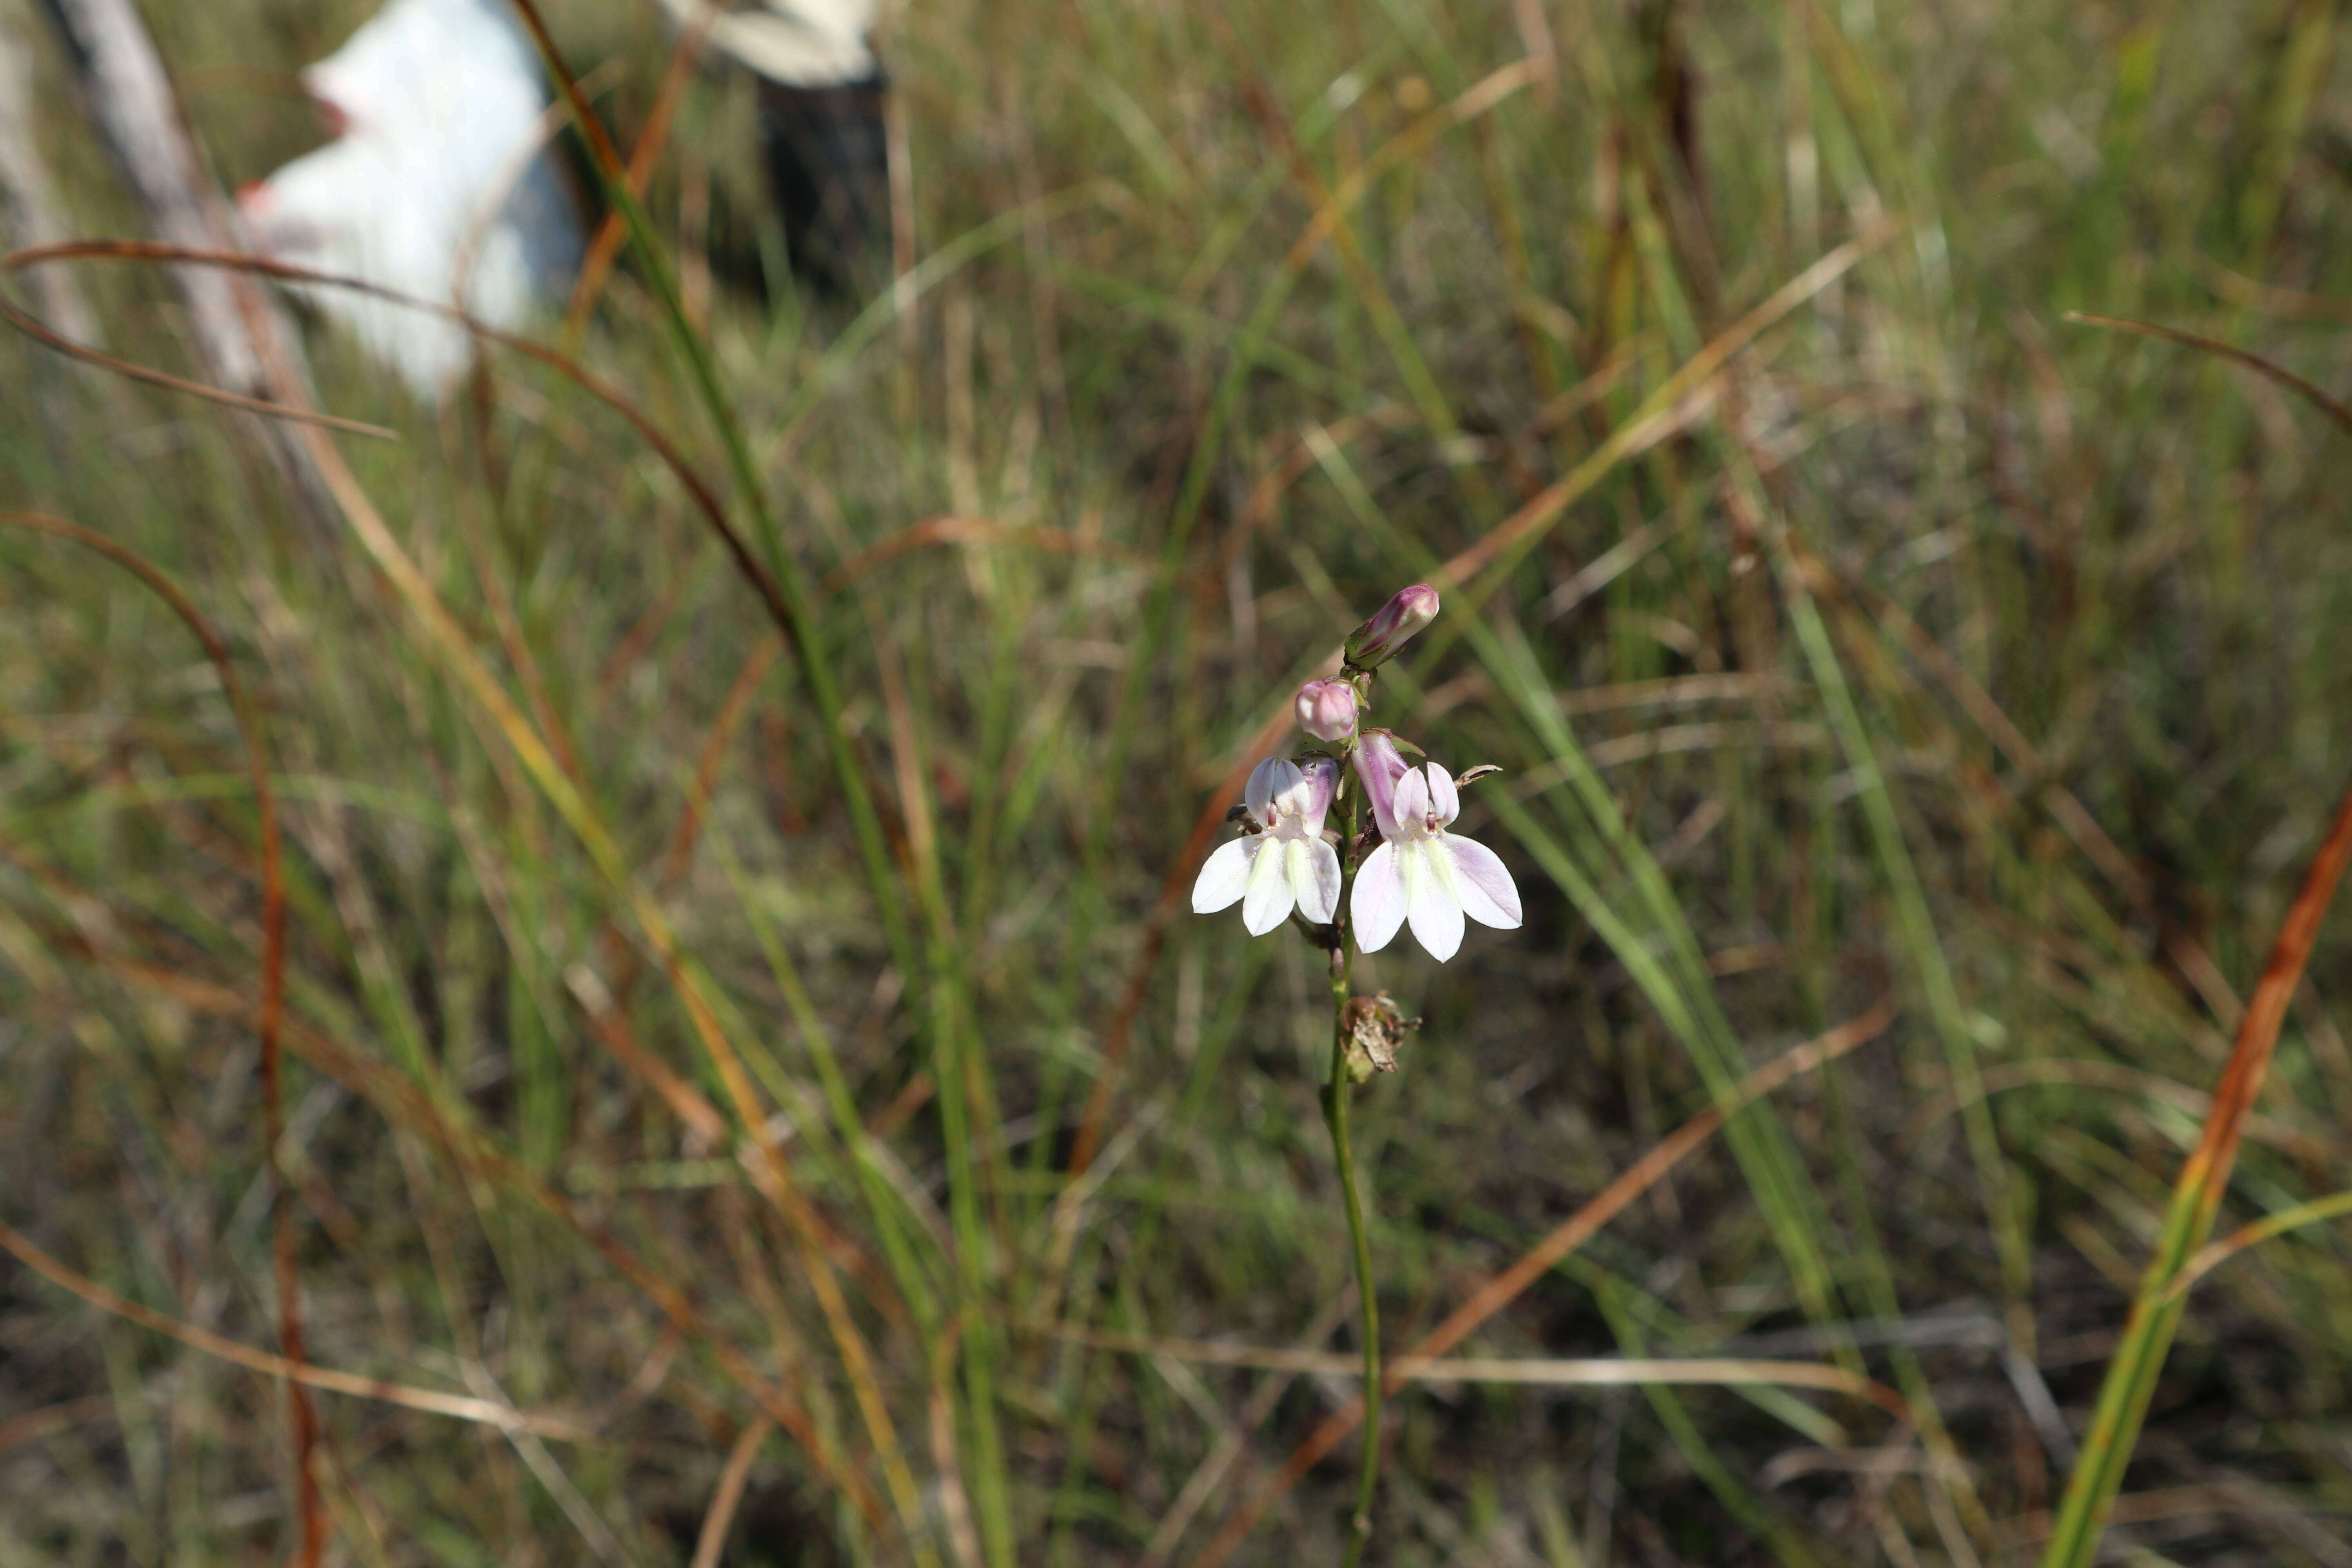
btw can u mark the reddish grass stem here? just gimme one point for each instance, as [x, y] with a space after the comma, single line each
[269, 1014]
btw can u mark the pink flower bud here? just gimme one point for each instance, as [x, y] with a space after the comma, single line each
[1378, 638]
[1326, 710]
[1379, 767]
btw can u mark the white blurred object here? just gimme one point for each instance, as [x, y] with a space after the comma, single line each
[439, 168]
[797, 43]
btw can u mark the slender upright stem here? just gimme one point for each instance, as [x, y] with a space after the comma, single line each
[1335, 1117]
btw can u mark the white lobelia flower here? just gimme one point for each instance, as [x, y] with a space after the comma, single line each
[1285, 863]
[1425, 874]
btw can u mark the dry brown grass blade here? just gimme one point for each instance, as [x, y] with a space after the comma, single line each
[613, 232]
[2094, 1074]
[712, 1540]
[35, 1425]
[2328, 405]
[1481, 98]
[771, 1172]
[460, 1406]
[2148, 1331]
[2146, 1338]
[1672, 409]
[403, 1104]
[955, 1499]
[1540, 1372]
[678, 857]
[975, 530]
[699, 490]
[39, 332]
[1570, 1234]
[268, 1016]
[2208, 1170]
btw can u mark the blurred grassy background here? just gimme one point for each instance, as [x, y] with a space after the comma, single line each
[2091, 599]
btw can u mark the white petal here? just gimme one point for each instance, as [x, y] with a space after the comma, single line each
[1444, 803]
[1298, 871]
[1267, 780]
[1411, 804]
[1224, 877]
[1267, 902]
[1316, 882]
[1482, 882]
[1377, 905]
[1322, 781]
[1429, 901]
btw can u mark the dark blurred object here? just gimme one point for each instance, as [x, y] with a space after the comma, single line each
[828, 164]
[822, 138]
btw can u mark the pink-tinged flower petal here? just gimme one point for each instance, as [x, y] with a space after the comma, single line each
[1430, 901]
[1224, 877]
[1318, 881]
[1444, 803]
[1314, 796]
[1267, 780]
[1377, 905]
[1268, 901]
[1411, 802]
[1268, 783]
[1379, 767]
[1485, 886]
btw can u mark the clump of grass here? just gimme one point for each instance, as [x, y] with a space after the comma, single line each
[1857, 635]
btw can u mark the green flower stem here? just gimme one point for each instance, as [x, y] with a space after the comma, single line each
[1335, 1117]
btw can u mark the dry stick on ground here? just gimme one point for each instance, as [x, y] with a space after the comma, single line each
[268, 1016]
[1572, 1233]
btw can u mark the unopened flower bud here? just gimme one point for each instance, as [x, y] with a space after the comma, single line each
[1326, 710]
[1378, 639]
